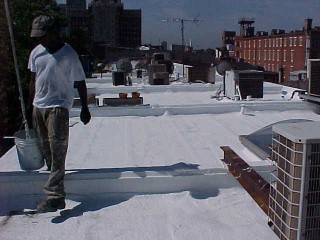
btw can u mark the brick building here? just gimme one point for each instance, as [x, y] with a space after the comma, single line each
[278, 51]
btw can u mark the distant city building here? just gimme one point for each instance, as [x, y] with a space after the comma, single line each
[278, 52]
[228, 38]
[130, 28]
[77, 16]
[76, 4]
[113, 25]
[78, 24]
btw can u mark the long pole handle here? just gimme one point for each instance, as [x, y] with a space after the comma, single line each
[23, 108]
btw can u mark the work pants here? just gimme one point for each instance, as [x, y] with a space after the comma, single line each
[52, 129]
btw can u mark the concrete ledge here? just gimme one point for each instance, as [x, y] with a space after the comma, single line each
[98, 181]
[20, 190]
[148, 110]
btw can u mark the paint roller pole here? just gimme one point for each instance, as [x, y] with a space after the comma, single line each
[28, 136]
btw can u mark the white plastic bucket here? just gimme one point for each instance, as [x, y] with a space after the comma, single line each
[29, 154]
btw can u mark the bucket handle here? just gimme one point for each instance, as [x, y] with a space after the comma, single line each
[13, 137]
[9, 137]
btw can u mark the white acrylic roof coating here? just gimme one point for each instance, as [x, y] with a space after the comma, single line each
[148, 142]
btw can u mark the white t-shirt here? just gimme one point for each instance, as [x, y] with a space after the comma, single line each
[55, 76]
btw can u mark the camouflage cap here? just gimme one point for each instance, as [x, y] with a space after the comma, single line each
[41, 25]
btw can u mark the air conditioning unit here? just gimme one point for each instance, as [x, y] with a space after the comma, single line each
[294, 200]
[119, 78]
[155, 68]
[244, 83]
[313, 74]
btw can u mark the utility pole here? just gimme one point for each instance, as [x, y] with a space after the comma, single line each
[182, 20]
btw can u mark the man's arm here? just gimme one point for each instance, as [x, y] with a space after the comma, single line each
[85, 115]
[31, 89]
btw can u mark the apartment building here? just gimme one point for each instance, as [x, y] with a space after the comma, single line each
[77, 16]
[130, 28]
[114, 26]
[278, 51]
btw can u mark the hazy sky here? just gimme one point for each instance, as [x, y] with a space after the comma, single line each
[216, 16]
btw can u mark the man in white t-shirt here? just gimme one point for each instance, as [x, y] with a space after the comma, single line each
[55, 71]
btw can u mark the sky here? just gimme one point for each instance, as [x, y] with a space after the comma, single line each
[216, 16]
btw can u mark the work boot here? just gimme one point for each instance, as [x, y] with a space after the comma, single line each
[51, 205]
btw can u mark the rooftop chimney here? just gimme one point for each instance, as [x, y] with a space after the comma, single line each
[307, 24]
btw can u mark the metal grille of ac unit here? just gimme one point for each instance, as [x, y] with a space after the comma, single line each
[313, 206]
[314, 76]
[294, 206]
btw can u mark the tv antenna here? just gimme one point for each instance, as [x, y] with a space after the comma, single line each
[182, 20]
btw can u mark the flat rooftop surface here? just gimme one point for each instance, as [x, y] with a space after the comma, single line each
[152, 171]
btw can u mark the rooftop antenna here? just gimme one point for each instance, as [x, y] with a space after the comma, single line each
[182, 20]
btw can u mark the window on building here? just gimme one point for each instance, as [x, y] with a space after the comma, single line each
[273, 42]
[265, 43]
[254, 43]
[259, 55]
[259, 43]
[265, 55]
[280, 43]
[292, 56]
[273, 53]
[269, 55]
[295, 41]
[278, 55]
[284, 55]
[277, 42]
[270, 43]
[249, 54]
[253, 55]
[300, 41]
[245, 44]
[249, 44]
[290, 42]
[284, 42]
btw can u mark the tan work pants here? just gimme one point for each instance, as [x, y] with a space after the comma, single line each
[52, 129]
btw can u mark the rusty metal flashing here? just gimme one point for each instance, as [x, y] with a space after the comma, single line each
[257, 187]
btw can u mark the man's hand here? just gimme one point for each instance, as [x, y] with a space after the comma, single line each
[85, 115]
